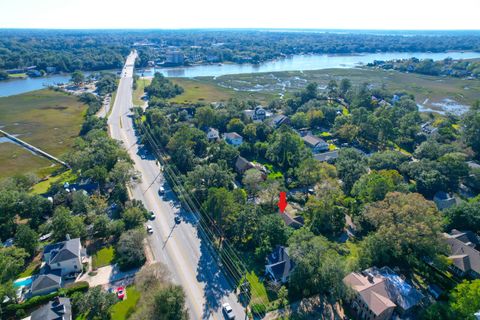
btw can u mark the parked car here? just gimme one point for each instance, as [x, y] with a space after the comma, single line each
[149, 229]
[228, 311]
[161, 191]
[152, 215]
[177, 219]
[121, 293]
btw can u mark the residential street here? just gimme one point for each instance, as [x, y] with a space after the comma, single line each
[178, 246]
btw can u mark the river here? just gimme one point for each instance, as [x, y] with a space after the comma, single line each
[296, 62]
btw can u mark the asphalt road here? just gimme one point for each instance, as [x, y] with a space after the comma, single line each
[178, 246]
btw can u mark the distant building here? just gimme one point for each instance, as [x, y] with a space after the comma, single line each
[428, 129]
[175, 58]
[444, 200]
[279, 266]
[257, 114]
[278, 120]
[464, 253]
[233, 138]
[380, 292]
[242, 165]
[213, 134]
[316, 144]
[57, 309]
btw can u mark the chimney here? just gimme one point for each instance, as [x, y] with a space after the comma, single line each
[67, 236]
[370, 278]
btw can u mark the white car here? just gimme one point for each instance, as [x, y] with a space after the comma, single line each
[228, 311]
[149, 229]
[161, 191]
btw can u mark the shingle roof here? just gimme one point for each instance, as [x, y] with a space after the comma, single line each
[313, 141]
[63, 251]
[243, 164]
[58, 309]
[326, 156]
[280, 263]
[463, 254]
[45, 281]
[232, 135]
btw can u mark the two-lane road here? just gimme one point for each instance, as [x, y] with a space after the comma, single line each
[178, 246]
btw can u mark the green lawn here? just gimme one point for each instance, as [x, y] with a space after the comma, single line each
[257, 289]
[197, 91]
[138, 93]
[42, 186]
[102, 257]
[47, 119]
[122, 309]
[17, 75]
[32, 268]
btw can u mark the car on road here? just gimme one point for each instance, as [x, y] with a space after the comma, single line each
[227, 309]
[161, 191]
[121, 293]
[149, 229]
[177, 219]
[152, 215]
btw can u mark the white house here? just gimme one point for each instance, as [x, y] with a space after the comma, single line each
[233, 138]
[258, 114]
[212, 134]
[65, 256]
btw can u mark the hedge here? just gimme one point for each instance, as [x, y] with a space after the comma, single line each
[39, 300]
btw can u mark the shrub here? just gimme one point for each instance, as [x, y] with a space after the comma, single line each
[259, 309]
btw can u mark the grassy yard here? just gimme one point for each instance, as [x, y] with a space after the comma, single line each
[32, 268]
[257, 289]
[139, 91]
[102, 257]
[197, 91]
[42, 186]
[121, 310]
[47, 119]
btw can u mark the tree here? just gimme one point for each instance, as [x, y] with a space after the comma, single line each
[250, 132]
[12, 260]
[95, 303]
[465, 299]
[252, 179]
[27, 239]
[282, 296]
[235, 125]
[219, 205]
[454, 167]
[133, 217]
[77, 77]
[205, 117]
[170, 304]
[387, 160]
[129, 249]
[63, 224]
[464, 216]
[101, 226]
[311, 171]
[286, 148]
[207, 176]
[271, 232]
[299, 120]
[350, 166]
[345, 86]
[375, 185]
[162, 88]
[406, 227]
[318, 266]
[471, 132]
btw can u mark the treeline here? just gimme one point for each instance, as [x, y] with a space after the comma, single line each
[96, 50]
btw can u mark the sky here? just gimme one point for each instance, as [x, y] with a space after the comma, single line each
[181, 14]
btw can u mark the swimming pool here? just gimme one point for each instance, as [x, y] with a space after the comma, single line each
[23, 282]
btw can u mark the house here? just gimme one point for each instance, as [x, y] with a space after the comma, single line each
[278, 120]
[46, 283]
[444, 200]
[65, 256]
[316, 144]
[295, 222]
[242, 165]
[257, 114]
[212, 134]
[464, 252]
[233, 138]
[58, 309]
[327, 156]
[428, 129]
[380, 292]
[279, 265]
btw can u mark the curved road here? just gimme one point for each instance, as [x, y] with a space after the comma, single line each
[179, 246]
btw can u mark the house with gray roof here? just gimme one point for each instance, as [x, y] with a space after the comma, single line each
[65, 256]
[279, 265]
[329, 157]
[464, 252]
[233, 138]
[315, 143]
[57, 309]
[46, 283]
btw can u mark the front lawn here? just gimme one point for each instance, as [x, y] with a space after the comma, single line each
[43, 186]
[123, 309]
[102, 257]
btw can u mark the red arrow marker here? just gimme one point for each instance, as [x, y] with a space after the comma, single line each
[282, 203]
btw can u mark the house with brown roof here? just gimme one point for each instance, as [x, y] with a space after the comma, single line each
[233, 138]
[380, 293]
[464, 252]
[315, 143]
